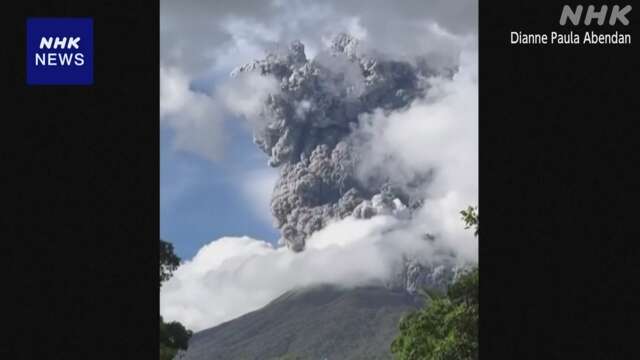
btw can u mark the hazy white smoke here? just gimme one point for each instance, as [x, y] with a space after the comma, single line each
[202, 36]
[245, 95]
[439, 133]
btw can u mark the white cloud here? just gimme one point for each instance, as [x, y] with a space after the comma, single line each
[257, 187]
[196, 118]
[232, 276]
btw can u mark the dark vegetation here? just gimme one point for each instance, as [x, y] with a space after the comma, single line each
[173, 336]
[168, 261]
[446, 328]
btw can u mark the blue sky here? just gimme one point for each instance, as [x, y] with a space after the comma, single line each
[202, 200]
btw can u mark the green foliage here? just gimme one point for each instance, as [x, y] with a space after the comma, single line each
[465, 289]
[470, 218]
[447, 327]
[167, 353]
[168, 261]
[173, 336]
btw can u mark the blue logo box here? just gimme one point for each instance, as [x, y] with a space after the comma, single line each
[59, 51]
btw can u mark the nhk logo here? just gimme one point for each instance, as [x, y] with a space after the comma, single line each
[59, 51]
[61, 59]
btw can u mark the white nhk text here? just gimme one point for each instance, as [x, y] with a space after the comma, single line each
[59, 58]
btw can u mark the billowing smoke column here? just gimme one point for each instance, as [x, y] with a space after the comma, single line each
[306, 129]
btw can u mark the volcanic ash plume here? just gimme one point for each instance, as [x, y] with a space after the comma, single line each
[307, 130]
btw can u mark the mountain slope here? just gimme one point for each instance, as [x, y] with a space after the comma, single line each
[322, 322]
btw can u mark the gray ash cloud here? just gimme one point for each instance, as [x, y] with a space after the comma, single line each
[307, 130]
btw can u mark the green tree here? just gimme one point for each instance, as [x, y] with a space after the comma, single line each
[167, 353]
[470, 218]
[169, 261]
[173, 336]
[446, 328]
